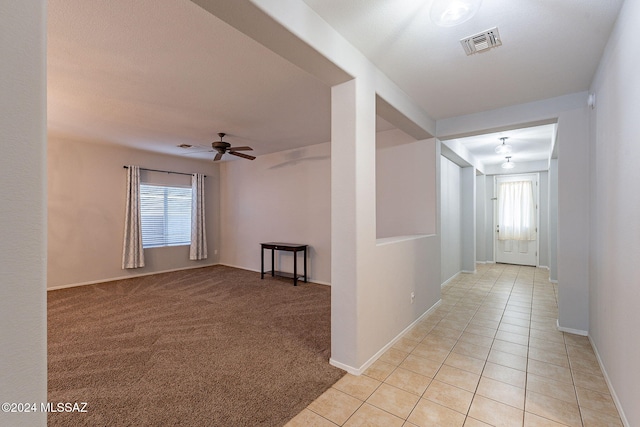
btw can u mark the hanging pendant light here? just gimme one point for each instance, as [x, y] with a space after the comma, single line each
[503, 148]
[447, 13]
[508, 164]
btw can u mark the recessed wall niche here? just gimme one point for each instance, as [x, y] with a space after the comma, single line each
[405, 184]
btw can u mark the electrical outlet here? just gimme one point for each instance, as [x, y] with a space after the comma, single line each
[215, 252]
[413, 297]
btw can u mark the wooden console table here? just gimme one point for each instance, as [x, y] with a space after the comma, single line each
[289, 247]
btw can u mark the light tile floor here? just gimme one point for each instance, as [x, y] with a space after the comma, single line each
[488, 355]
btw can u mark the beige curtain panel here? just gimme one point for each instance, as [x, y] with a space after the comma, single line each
[132, 253]
[198, 249]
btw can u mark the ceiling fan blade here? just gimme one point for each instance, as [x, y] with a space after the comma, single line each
[245, 156]
[217, 157]
[243, 148]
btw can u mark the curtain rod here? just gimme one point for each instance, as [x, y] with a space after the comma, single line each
[158, 170]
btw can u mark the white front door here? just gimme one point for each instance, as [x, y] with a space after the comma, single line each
[516, 224]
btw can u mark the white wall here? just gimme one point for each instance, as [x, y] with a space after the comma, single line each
[86, 186]
[484, 221]
[450, 219]
[614, 295]
[489, 225]
[23, 335]
[573, 220]
[553, 220]
[282, 197]
[543, 225]
[372, 280]
[404, 194]
[481, 218]
[468, 219]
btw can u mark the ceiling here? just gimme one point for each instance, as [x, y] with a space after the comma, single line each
[153, 74]
[549, 48]
[527, 145]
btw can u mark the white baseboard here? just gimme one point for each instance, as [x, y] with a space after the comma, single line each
[309, 279]
[553, 281]
[446, 282]
[469, 272]
[113, 279]
[625, 421]
[571, 331]
[358, 371]
[543, 266]
[349, 369]
[481, 262]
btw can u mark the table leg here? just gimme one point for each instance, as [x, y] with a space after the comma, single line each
[295, 268]
[305, 264]
[261, 263]
[272, 264]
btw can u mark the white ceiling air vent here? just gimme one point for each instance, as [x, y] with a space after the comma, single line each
[481, 41]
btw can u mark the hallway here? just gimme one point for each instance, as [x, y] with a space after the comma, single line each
[490, 354]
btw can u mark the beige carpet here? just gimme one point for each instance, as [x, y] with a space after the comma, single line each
[214, 346]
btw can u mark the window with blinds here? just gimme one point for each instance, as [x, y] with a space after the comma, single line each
[166, 215]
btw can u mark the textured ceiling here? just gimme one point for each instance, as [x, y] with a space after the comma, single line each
[153, 74]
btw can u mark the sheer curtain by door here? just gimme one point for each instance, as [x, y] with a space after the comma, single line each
[516, 211]
[198, 249]
[132, 253]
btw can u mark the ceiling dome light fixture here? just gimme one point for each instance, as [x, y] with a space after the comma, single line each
[503, 148]
[508, 164]
[447, 13]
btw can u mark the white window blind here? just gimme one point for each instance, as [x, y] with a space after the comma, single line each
[166, 215]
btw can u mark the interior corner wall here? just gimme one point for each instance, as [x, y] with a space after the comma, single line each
[23, 352]
[86, 211]
[282, 197]
[450, 219]
[614, 295]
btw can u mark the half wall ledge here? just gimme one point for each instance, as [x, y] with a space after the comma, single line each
[397, 239]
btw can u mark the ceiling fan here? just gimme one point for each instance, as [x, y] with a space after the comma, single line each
[223, 147]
